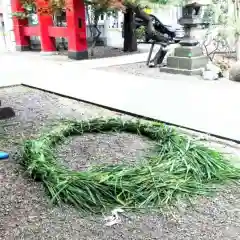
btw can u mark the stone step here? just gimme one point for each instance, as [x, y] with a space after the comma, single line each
[181, 71]
[188, 51]
[187, 63]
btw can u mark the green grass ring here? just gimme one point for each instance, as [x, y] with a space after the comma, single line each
[178, 167]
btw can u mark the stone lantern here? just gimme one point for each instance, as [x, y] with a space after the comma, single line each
[188, 58]
[191, 19]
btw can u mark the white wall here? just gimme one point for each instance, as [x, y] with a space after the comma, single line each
[2, 40]
[168, 15]
[7, 32]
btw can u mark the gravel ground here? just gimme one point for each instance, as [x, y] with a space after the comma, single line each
[140, 69]
[81, 152]
[25, 210]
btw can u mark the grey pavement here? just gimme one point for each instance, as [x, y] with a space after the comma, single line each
[211, 107]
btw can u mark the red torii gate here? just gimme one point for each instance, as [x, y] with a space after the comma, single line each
[75, 31]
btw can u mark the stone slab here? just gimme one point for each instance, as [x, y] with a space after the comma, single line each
[22, 48]
[181, 71]
[187, 63]
[188, 51]
[196, 104]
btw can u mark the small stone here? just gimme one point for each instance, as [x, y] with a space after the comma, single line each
[234, 72]
[212, 72]
[213, 68]
[210, 75]
[226, 74]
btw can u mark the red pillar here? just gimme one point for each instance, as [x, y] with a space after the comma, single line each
[45, 20]
[22, 42]
[76, 24]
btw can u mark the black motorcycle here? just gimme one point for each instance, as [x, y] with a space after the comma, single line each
[164, 32]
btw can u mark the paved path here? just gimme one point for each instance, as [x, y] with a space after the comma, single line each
[211, 107]
[23, 57]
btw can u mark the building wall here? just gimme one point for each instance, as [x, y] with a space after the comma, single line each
[7, 41]
[7, 34]
[2, 40]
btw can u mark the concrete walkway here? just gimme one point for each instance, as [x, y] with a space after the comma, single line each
[23, 57]
[211, 107]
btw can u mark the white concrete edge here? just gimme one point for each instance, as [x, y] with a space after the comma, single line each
[87, 63]
[111, 61]
[42, 53]
[102, 99]
[183, 127]
[98, 97]
[10, 83]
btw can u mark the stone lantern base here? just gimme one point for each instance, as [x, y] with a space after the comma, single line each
[187, 60]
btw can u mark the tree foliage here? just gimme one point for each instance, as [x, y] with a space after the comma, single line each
[100, 6]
